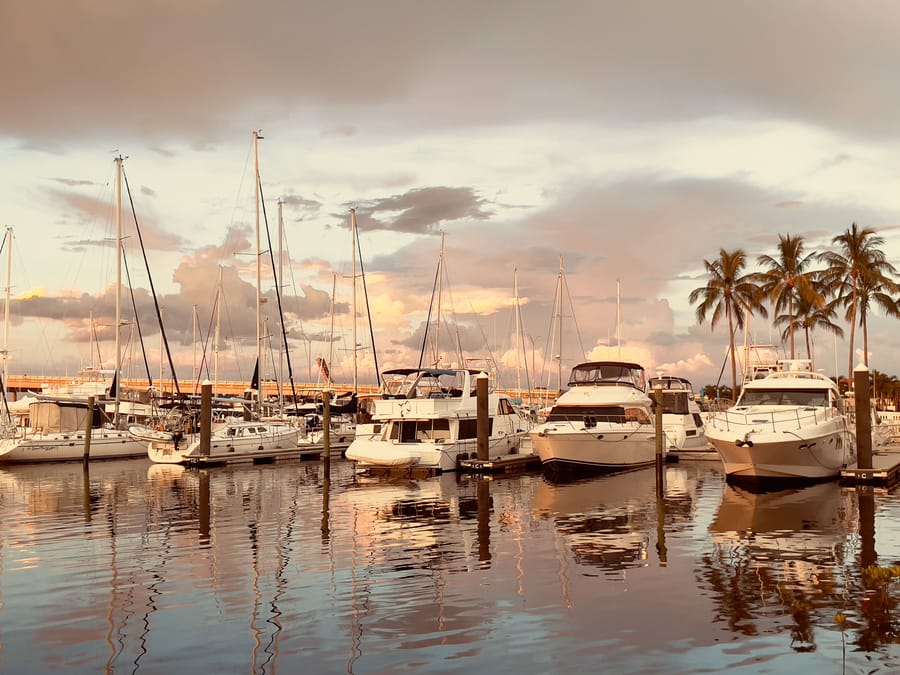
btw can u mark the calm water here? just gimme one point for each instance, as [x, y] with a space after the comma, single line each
[260, 569]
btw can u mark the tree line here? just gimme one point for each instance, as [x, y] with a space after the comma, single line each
[807, 290]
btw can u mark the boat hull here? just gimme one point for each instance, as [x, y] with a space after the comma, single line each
[756, 447]
[224, 447]
[599, 448]
[105, 444]
[371, 451]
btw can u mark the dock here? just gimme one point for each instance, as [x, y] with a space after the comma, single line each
[504, 464]
[885, 469]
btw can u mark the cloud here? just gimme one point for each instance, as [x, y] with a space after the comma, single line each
[421, 210]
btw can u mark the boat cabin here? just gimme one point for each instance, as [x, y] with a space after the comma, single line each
[614, 373]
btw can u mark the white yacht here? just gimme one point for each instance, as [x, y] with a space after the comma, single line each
[604, 421]
[789, 424]
[427, 418]
[682, 419]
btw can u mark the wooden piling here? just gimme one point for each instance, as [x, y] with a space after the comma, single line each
[205, 417]
[863, 414]
[483, 421]
[88, 426]
[660, 436]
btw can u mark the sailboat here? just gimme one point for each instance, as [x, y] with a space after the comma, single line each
[56, 428]
[234, 439]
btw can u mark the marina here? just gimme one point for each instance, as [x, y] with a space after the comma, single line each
[149, 568]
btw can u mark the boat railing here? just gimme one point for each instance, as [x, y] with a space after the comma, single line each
[778, 420]
[591, 421]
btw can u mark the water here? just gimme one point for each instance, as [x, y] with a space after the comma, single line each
[154, 569]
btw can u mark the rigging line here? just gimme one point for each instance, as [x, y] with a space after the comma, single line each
[162, 328]
[137, 320]
[204, 362]
[96, 339]
[231, 334]
[493, 360]
[205, 342]
[575, 321]
[368, 309]
[287, 352]
[428, 318]
[455, 327]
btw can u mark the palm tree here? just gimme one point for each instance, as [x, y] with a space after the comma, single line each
[809, 317]
[876, 291]
[728, 293]
[859, 266]
[788, 280]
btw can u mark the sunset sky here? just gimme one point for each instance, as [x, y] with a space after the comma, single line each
[629, 140]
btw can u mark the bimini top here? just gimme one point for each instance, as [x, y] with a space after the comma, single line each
[433, 372]
[608, 373]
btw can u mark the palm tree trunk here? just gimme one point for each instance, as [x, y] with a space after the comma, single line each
[808, 346]
[734, 392]
[852, 337]
[865, 327]
[791, 324]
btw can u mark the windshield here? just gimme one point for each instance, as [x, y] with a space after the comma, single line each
[607, 373]
[810, 397]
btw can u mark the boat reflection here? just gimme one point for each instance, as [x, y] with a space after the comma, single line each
[608, 521]
[781, 559]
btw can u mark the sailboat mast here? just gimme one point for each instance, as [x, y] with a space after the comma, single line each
[559, 300]
[6, 310]
[437, 332]
[353, 254]
[260, 378]
[279, 281]
[520, 342]
[118, 284]
[218, 328]
[619, 319]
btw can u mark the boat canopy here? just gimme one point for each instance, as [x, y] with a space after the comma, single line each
[608, 373]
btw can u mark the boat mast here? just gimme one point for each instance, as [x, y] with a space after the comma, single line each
[118, 285]
[619, 319]
[279, 281]
[256, 137]
[6, 310]
[218, 326]
[194, 352]
[520, 341]
[353, 254]
[559, 299]
[437, 332]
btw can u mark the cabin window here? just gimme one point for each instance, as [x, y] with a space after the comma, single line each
[675, 402]
[417, 431]
[468, 428]
[505, 408]
[803, 397]
[638, 415]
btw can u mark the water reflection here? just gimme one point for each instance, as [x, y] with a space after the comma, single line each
[781, 560]
[139, 568]
[607, 521]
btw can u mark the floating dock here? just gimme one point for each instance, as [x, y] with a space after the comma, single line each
[504, 464]
[885, 468]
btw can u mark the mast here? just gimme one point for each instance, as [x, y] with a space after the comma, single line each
[218, 326]
[256, 137]
[437, 332]
[6, 310]
[194, 351]
[353, 254]
[520, 342]
[559, 295]
[116, 378]
[619, 319]
[279, 281]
